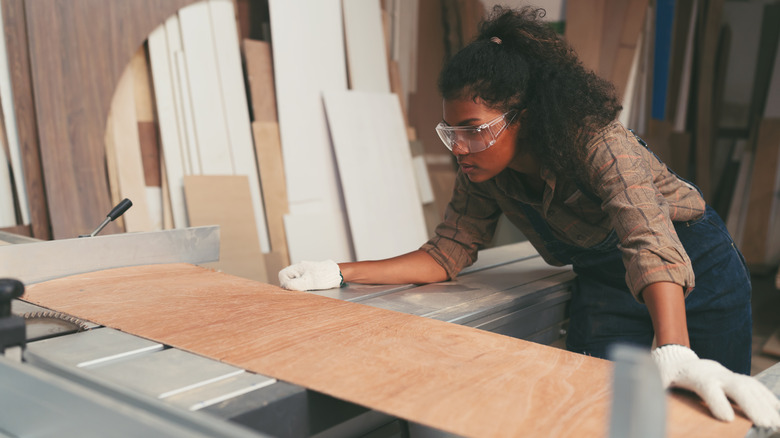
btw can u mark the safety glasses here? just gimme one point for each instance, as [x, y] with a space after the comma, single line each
[473, 139]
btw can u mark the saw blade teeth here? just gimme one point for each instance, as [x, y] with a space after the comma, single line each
[79, 324]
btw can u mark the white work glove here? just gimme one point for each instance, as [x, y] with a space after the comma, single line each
[311, 276]
[681, 367]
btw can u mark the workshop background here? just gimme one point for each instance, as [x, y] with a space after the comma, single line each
[307, 134]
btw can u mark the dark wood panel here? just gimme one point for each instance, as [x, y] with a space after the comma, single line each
[26, 125]
[78, 50]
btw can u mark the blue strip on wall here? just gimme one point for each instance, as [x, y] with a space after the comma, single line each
[663, 44]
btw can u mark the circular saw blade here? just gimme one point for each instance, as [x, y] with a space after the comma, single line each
[45, 324]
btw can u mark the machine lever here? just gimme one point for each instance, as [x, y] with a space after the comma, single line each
[115, 212]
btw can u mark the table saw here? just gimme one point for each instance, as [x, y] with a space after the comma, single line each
[104, 379]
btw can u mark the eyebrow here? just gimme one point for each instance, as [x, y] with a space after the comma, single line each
[468, 122]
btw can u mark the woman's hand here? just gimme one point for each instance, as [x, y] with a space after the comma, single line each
[715, 384]
[305, 276]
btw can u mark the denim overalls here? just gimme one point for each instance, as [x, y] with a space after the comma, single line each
[603, 310]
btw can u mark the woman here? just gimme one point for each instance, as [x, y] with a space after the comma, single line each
[536, 139]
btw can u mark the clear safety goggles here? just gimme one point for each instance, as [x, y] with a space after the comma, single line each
[473, 139]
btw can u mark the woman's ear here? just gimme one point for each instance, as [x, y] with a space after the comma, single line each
[522, 124]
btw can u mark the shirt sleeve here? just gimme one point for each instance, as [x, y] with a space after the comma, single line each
[622, 175]
[469, 224]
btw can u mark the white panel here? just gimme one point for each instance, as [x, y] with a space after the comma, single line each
[7, 216]
[9, 115]
[423, 180]
[181, 95]
[366, 47]
[308, 50]
[205, 93]
[236, 107]
[308, 238]
[377, 175]
[169, 121]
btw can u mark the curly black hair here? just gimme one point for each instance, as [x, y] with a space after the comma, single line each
[517, 61]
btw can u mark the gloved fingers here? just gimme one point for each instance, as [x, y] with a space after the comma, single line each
[715, 398]
[299, 284]
[294, 277]
[292, 271]
[756, 400]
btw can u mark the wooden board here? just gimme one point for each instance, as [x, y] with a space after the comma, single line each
[173, 135]
[454, 378]
[127, 149]
[73, 93]
[10, 138]
[7, 208]
[234, 95]
[366, 46]
[269, 161]
[226, 201]
[302, 71]
[260, 77]
[19, 63]
[762, 196]
[376, 172]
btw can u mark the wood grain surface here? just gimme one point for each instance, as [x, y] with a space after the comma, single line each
[455, 378]
[15, 28]
[78, 49]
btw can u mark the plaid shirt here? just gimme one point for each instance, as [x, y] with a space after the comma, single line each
[640, 199]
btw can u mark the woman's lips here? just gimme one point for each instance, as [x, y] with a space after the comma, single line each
[466, 168]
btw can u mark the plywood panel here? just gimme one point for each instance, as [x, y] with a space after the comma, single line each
[75, 66]
[127, 147]
[26, 124]
[706, 120]
[455, 378]
[585, 29]
[260, 76]
[172, 132]
[302, 71]
[762, 197]
[366, 46]
[269, 161]
[231, 82]
[10, 137]
[377, 174]
[226, 201]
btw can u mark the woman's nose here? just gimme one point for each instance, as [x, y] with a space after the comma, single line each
[459, 150]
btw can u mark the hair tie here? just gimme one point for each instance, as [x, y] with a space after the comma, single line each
[496, 40]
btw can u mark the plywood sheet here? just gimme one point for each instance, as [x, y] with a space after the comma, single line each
[10, 137]
[129, 163]
[172, 132]
[455, 378]
[302, 71]
[269, 161]
[377, 174]
[366, 46]
[19, 63]
[762, 196]
[231, 82]
[226, 201]
[260, 77]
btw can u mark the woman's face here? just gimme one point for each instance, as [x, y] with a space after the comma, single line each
[505, 152]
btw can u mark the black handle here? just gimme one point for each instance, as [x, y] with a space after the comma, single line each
[9, 289]
[120, 209]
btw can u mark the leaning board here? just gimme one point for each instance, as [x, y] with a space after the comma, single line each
[376, 172]
[455, 378]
